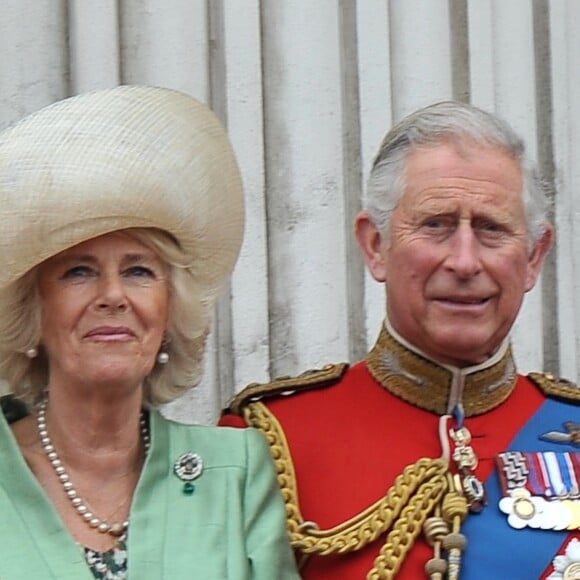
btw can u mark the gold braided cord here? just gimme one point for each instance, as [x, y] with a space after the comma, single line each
[454, 510]
[408, 503]
[407, 528]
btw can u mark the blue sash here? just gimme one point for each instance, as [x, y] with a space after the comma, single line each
[494, 549]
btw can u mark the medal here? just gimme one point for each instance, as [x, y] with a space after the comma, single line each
[567, 565]
[540, 490]
[570, 436]
[466, 461]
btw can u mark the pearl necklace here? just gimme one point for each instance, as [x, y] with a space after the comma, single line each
[114, 529]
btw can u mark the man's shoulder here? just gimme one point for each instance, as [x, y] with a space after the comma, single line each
[556, 387]
[310, 380]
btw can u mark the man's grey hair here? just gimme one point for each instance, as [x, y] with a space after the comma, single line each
[448, 121]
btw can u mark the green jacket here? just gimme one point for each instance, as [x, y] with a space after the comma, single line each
[232, 527]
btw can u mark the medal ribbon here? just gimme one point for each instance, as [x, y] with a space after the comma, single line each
[557, 487]
[535, 484]
[574, 488]
[565, 473]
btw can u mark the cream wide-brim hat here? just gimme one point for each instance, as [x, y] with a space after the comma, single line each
[131, 156]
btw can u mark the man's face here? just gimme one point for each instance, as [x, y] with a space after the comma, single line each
[457, 263]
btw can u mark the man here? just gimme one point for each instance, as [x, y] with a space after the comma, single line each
[425, 460]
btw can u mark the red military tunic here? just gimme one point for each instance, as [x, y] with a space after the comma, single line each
[350, 440]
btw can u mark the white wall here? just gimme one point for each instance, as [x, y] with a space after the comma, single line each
[307, 89]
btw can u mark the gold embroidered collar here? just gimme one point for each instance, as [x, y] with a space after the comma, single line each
[413, 377]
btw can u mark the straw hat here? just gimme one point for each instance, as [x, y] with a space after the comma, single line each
[131, 156]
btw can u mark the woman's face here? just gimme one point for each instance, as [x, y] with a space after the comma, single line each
[104, 311]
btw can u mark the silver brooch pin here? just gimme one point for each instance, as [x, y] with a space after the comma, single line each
[188, 467]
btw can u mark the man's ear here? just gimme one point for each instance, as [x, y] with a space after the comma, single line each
[372, 247]
[538, 256]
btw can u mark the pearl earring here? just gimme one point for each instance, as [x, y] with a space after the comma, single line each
[163, 355]
[31, 352]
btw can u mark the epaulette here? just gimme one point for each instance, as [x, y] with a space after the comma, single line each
[555, 387]
[313, 379]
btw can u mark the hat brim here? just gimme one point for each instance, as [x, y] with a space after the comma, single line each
[121, 158]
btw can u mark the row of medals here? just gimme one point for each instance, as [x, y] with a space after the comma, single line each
[523, 476]
[557, 509]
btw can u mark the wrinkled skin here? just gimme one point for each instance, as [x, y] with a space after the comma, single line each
[457, 264]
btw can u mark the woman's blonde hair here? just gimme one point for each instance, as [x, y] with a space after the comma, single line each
[188, 325]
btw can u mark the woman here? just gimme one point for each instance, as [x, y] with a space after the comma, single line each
[122, 218]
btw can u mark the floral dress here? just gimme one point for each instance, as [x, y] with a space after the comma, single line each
[109, 565]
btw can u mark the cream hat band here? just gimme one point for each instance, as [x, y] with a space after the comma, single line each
[131, 156]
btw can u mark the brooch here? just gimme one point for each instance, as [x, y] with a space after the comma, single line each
[570, 436]
[189, 466]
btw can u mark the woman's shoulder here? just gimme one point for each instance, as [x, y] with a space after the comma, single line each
[227, 445]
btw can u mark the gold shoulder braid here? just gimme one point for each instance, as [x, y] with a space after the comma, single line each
[313, 379]
[555, 387]
[423, 489]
